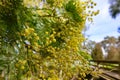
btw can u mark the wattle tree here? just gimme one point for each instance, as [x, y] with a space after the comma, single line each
[41, 39]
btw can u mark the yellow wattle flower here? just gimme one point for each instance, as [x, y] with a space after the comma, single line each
[22, 67]
[46, 32]
[37, 38]
[54, 40]
[27, 32]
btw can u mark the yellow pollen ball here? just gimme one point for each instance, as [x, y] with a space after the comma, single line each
[54, 40]
[46, 32]
[22, 67]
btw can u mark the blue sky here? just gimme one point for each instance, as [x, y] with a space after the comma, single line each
[103, 25]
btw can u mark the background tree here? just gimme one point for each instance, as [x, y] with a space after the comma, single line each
[118, 46]
[111, 47]
[114, 7]
[97, 53]
[113, 53]
[89, 46]
[115, 10]
[108, 41]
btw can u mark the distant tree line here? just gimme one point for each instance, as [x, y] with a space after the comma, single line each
[110, 46]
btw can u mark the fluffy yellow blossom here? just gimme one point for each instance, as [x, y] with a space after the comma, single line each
[54, 40]
[35, 34]
[46, 32]
[22, 67]
[36, 38]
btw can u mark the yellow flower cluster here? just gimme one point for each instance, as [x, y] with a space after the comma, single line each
[32, 3]
[51, 38]
[89, 5]
[31, 37]
[21, 64]
[59, 42]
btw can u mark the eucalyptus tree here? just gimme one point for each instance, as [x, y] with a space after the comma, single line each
[97, 53]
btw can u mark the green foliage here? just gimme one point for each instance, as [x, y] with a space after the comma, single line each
[85, 55]
[71, 8]
[114, 8]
